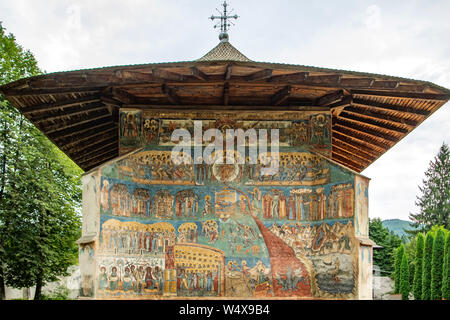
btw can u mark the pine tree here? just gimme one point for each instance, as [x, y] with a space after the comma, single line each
[437, 261]
[404, 277]
[417, 282]
[434, 202]
[384, 257]
[426, 266]
[446, 272]
[398, 261]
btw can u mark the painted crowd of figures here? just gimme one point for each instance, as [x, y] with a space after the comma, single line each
[140, 129]
[158, 167]
[305, 204]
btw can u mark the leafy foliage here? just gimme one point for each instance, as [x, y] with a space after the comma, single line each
[40, 190]
[417, 283]
[437, 261]
[446, 271]
[426, 266]
[404, 277]
[400, 252]
[434, 201]
[383, 257]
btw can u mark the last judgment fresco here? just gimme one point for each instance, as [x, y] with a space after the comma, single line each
[186, 229]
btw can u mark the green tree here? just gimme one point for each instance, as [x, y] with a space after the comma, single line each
[40, 190]
[446, 271]
[404, 278]
[434, 201]
[417, 282]
[397, 267]
[426, 266]
[383, 257]
[437, 261]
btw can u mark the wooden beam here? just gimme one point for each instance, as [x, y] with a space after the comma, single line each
[195, 72]
[53, 91]
[168, 75]
[99, 150]
[356, 109]
[354, 157]
[367, 130]
[94, 145]
[76, 111]
[171, 95]
[331, 79]
[70, 124]
[281, 95]
[289, 78]
[330, 98]
[365, 138]
[353, 149]
[347, 162]
[385, 84]
[410, 95]
[357, 82]
[259, 75]
[86, 126]
[60, 104]
[355, 142]
[123, 96]
[228, 71]
[390, 107]
[98, 133]
[226, 93]
[109, 154]
[127, 76]
[359, 119]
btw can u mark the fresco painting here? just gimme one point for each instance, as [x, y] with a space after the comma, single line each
[178, 229]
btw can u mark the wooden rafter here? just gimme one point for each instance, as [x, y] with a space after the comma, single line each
[100, 133]
[391, 107]
[259, 75]
[409, 95]
[357, 143]
[281, 95]
[363, 120]
[99, 150]
[364, 138]
[198, 74]
[356, 109]
[61, 104]
[69, 113]
[346, 161]
[330, 98]
[226, 93]
[167, 75]
[367, 130]
[171, 95]
[289, 78]
[360, 152]
[79, 129]
[106, 154]
[76, 123]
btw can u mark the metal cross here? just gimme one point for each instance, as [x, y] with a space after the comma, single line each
[224, 22]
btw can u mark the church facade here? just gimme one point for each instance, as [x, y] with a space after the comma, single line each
[213, 229]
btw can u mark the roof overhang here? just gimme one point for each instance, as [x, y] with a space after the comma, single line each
[79, 110]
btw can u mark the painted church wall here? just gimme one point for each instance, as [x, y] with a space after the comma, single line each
[221, 230]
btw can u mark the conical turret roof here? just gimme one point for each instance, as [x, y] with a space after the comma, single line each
[224, 51]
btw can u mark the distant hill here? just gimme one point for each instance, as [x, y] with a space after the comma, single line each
[397, 226]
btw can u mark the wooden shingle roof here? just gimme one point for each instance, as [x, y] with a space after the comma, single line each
[78, 110]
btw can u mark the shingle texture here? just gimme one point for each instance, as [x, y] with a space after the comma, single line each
[224, 51]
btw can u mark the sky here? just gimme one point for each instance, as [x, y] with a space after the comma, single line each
[397, 38]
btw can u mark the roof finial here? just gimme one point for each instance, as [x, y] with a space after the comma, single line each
[224, 22]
